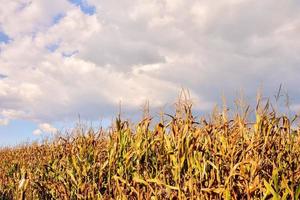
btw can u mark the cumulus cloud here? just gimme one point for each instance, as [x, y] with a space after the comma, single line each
[37, 132]
[45, 128]
[4, 122]
[61, 61]
[29, 17]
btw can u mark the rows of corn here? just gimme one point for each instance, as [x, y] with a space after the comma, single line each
[178, 157]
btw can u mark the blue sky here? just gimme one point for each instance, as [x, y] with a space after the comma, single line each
[16, 132]
[3, 37]
[64, 58]
[84, 6]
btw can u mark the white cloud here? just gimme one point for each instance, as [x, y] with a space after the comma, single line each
[138, 50]
[48, 128]
[37, 132]
[45, 128]
[4, 122]
[24, 16]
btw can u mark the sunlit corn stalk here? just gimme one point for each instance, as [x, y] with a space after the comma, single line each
[225, 156]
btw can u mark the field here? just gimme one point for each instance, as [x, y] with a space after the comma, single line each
[179, 157]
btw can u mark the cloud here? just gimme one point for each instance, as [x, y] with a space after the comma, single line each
[84, 6]
[4, 122]
[2, 76]
[29, 17]
[62, 61]
[45, 128]
[37, 132]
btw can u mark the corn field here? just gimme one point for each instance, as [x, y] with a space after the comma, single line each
[178, 157]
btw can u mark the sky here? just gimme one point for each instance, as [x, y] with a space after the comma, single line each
[62, 59]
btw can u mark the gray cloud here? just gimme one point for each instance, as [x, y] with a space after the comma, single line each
[2, 76]
[218, 46]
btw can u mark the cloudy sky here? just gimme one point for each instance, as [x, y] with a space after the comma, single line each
[60, 59]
